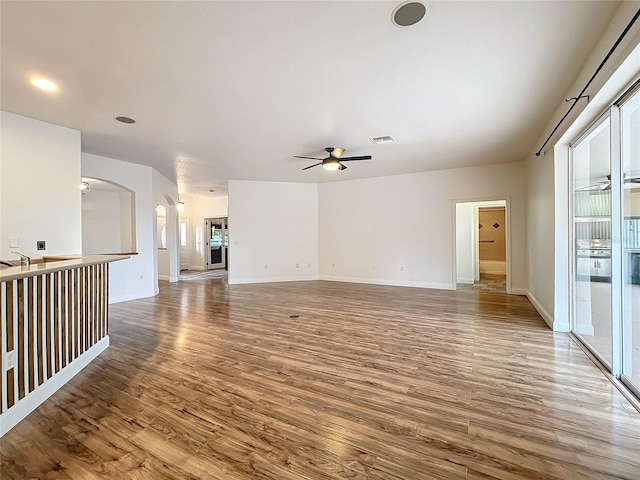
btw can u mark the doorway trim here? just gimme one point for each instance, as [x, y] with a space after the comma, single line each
[507, 216]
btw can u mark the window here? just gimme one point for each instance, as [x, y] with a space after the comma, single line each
[183, 234]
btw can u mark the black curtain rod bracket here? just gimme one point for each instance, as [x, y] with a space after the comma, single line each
[575, 99]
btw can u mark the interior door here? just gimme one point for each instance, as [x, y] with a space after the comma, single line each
[185, 254]
[217, 243]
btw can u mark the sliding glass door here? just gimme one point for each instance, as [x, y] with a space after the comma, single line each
[606, 234]
[630, 151]
[592, 247]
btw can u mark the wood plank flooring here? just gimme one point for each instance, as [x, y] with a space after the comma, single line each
[325, 380]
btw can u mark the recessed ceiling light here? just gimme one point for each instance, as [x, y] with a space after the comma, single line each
[125, 120]
[44, 84]
[408, 13]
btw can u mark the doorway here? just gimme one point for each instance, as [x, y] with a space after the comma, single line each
[185, 244]
[217, 242]
[482, 246]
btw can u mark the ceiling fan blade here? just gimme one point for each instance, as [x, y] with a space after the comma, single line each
[311, 166]
[342, 167]
[310, 158]
[348, 159]
[597, 186]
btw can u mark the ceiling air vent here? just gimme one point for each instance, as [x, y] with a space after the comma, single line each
[383, 139]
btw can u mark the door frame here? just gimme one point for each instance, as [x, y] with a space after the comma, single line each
[223, 247]
[508, 236]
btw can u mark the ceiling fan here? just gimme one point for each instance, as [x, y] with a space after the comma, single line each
[606, 184]
[334, 160]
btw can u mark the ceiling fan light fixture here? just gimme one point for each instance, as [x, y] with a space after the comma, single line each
[331, 165]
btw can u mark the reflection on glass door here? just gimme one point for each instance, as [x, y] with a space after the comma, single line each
[217, 242]
[630, 127]
[592, 319]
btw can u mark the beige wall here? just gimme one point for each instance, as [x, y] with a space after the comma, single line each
[492, 239]
[400, 230]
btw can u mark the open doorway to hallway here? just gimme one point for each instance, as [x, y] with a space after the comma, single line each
[482, 259]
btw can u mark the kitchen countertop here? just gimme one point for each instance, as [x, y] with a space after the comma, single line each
[56, 264]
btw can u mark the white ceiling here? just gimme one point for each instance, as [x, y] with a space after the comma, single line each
[232, 90]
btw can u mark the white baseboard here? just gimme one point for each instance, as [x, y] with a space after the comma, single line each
[198, 268]
[519, 291]
[132, 296]
[465, 281]
[163, 277]
[244, 281]
[546, 316]
[394, 283]
[585, 329]
[28, 404]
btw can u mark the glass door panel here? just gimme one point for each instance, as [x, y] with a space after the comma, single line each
[630, 127]
[217, 242]
[592, 233]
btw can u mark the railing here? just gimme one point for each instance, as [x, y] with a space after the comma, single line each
[54, 321]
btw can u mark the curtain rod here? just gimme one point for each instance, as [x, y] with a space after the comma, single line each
[581, 94]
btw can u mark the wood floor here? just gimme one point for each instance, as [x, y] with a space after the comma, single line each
[487, 283]
[322, 380]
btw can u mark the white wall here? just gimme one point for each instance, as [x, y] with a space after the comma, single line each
[399, 230]
[135, 277]
[101, 222]
[465, 241]
[197, 208]
[165, 193]
[273, 225]
[547, 176]
[127, 220]
[39, 187]
[163, 253]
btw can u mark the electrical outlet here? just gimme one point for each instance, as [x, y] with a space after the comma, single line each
[308, 265]
[141, 277]
[14, 242]
[9, 360]
[266, 266]
[297, 265]
[41, 245]
[401, 268]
